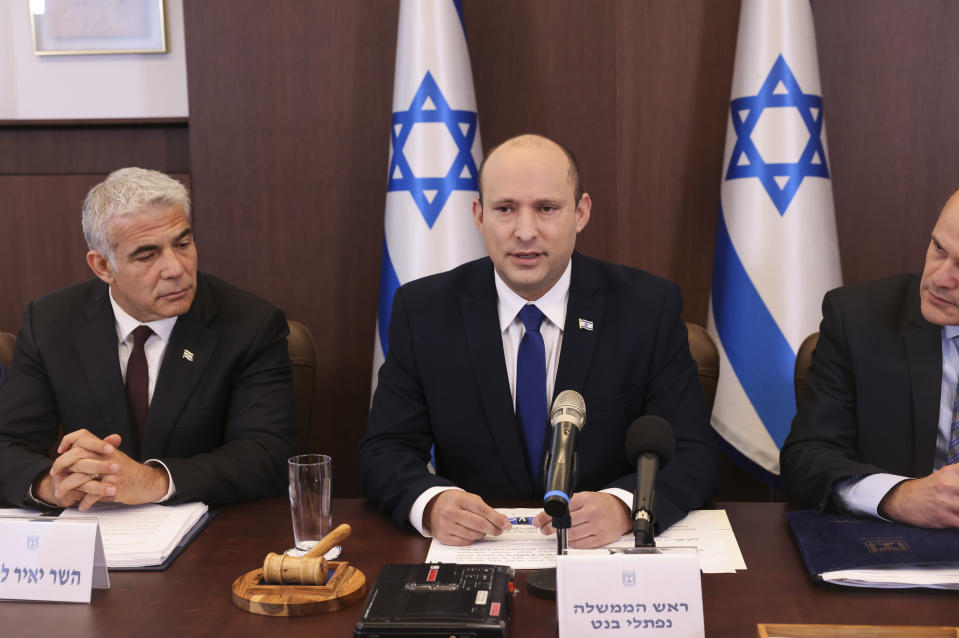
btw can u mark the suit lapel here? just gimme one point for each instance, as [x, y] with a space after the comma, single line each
[95, 336]
[924, 353]
[481, 321]
[187, 356]
[586, 302]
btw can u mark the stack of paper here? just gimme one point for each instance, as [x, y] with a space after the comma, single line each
[896, 577]
[141, 535]
[711, 533]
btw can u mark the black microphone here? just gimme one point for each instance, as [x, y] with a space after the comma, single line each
[650, 443]
[567, 417]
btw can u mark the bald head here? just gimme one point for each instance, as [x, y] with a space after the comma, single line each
[533, 141]
[939, 287]
[531, 212]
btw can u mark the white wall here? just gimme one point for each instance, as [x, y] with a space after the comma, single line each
[89, 86]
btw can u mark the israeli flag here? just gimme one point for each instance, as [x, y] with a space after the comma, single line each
[776, 248]
[435, 154]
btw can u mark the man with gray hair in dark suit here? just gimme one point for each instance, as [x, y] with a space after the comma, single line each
[168, 384]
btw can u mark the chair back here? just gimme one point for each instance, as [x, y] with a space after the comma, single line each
[803, 361]
[706, 356]
[303, 357]
[7, 345]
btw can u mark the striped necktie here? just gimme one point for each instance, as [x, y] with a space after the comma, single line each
[952, 454]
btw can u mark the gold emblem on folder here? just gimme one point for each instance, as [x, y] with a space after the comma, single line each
[886, 545]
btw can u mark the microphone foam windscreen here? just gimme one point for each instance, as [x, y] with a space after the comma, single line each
[651, 434]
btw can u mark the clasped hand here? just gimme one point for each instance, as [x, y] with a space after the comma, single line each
[82, 457]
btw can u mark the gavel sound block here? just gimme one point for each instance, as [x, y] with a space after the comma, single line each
[298, 586]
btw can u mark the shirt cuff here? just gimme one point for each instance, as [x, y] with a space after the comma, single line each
[419, 506]
[38, 502]
[862, 495]
[171, 490]
[621, 494]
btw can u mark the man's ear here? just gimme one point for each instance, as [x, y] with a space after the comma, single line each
[583, 208]
[100, 266]
[478, 214]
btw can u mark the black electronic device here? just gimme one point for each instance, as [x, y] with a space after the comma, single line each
[438, 599]
[650, 443]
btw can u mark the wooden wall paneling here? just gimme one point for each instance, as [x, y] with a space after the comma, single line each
[44, 249]
[65, 148]
[674, 90]
[890, 74]
[290, 108]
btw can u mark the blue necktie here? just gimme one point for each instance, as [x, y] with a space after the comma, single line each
[952, 453]
[531, 388]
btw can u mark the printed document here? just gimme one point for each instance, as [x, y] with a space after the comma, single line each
[141, 535]
[525, 547]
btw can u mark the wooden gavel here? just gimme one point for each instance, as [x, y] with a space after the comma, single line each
[309, 569]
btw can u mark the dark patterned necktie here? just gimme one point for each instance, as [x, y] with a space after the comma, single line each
[138, 382]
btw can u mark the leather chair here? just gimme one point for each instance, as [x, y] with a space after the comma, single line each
[803, 360]
[706, 356]
[303, 357]
[7, 344]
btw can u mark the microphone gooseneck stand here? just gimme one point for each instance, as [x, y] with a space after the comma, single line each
[542, 582]
[643, 529]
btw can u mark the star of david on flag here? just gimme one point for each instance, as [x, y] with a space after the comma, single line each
[435, 153]
[776, 248]
[432, 193]
[780, 179]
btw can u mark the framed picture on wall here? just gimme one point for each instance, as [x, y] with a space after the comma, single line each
[94, 27]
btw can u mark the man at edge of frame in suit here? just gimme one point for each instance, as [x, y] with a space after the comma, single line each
[452, 377]
[169, 384]
[878, 432]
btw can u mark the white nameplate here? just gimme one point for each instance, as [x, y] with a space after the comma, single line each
[51, 559]
[647, 592]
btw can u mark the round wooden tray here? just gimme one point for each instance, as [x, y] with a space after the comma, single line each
[345, 587]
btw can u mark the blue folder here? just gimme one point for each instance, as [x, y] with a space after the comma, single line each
[829, 542]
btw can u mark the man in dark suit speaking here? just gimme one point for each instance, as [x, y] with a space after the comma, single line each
[477, 353]
[169, 384]
[878, 434]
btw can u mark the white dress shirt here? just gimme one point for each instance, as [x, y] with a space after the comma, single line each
[154, 348]
[863, 495]
[508, 304]
[553, 306]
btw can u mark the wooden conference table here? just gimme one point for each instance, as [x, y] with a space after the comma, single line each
[193, 596]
